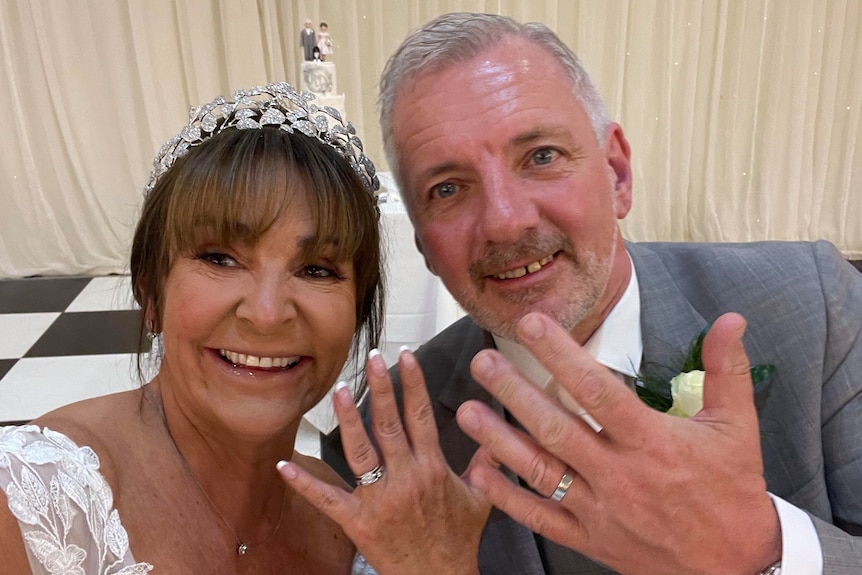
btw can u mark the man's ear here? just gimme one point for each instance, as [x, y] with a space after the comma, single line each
[419, 247]
[618, 155]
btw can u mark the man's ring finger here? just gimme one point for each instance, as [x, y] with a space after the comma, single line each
[370, 477]
[562, 487]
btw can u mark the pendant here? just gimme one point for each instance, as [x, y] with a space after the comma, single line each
[241, 549]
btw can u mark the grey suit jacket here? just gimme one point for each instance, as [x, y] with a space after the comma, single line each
[803, 304]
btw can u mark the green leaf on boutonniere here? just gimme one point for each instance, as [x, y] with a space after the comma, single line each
[656, 391]
[654, 398]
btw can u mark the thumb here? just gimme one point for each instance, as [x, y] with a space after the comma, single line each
[728, 377]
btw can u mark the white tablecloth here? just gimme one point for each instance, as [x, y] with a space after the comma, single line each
[417, 305]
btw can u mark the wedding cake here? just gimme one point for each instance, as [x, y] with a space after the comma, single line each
[320, 79]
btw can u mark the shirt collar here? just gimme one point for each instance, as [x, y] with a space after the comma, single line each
[617, 343]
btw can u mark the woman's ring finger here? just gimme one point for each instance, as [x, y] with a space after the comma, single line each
[370, 477]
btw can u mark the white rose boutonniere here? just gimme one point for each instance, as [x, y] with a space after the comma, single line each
[686, 389]
[682, 395]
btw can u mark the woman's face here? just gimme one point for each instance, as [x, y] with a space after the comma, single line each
[255, 334]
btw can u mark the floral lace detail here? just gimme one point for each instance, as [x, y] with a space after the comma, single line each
[361, 566]
[63, 505]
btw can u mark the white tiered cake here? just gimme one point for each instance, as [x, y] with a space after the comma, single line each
[320, 79]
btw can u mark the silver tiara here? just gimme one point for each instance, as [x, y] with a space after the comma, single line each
[277, 104]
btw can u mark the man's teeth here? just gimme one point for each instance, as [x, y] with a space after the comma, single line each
[247, 360]
[520, 272]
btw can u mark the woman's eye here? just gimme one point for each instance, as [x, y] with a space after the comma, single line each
[444, 190]
[315, 271]
[543, 156]
[219, 259]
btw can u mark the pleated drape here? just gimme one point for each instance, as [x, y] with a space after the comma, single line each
[743, 115]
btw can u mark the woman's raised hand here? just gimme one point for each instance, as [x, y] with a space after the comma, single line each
[410, 513]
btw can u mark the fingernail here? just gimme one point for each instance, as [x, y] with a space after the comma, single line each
[342, 394]
[532, 327]
[375, 363]
[286, 469]
[467, 420]
[406, 357]
[483, 364]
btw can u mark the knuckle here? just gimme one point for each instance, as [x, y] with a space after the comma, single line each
[592, 389]
[364, 452]
[388, 428]
[536, 518]
[553, 432]
[423, 414]
[327, 501]
[537, 470]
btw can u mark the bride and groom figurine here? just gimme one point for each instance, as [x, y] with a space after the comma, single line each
[316, 46]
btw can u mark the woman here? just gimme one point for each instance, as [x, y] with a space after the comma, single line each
[324, 41]
[257, 264]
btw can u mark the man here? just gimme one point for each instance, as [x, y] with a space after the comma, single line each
[514, 179]
[307, 40]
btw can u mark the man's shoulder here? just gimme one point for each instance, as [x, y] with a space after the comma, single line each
[765, 249]
[782, 258]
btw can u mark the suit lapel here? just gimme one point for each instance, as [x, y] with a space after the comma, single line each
[669, 323]
[507, 546]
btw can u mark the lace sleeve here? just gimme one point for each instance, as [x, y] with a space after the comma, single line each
[63, 505]
[361, 566]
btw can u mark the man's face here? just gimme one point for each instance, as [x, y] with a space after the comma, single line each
[514, 203]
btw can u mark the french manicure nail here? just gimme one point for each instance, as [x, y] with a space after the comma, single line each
[376, 363]
[286, 469]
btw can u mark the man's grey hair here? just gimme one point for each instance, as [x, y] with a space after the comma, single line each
[460, 36]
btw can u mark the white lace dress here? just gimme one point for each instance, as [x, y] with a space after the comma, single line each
[65, 507]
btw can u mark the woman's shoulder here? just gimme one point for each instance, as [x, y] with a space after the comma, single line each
[97, 422]
[61, 501]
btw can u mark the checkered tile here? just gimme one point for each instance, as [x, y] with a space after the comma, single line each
[71, 338]
[63, 340]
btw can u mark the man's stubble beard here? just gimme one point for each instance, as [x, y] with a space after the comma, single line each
[590, 272]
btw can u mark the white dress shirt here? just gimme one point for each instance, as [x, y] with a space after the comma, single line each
[618, 345]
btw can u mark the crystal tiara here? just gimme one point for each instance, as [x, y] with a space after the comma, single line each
[277, 104]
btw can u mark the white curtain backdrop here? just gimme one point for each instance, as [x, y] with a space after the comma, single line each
[743, 115]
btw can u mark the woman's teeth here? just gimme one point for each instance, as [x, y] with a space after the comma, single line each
[528, 269]
[246, 360]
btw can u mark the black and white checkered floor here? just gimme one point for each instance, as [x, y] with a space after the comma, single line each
[70, 338]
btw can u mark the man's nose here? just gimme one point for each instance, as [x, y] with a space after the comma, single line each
[509, 206]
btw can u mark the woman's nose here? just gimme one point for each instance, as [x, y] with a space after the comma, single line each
[267, 304]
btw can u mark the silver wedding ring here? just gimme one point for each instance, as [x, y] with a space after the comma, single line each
[562, 487]
[370, 477]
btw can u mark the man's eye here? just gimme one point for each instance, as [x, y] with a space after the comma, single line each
[219, 259]
[543, 156]
[444, 190]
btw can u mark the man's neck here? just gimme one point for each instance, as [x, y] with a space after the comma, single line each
[618, 281]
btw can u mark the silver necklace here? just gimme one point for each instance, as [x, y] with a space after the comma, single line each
[241, 548]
